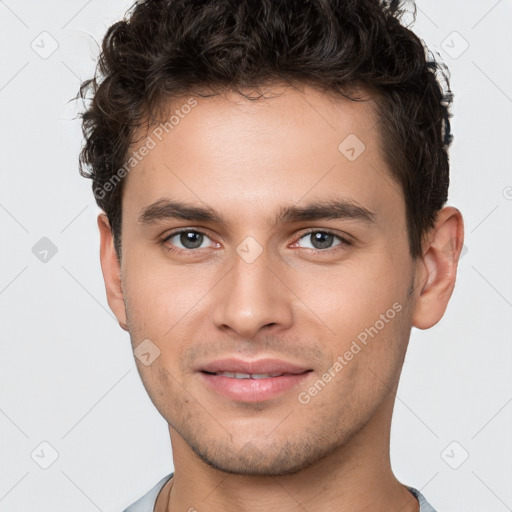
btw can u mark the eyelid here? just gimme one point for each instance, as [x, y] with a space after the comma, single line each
[178, 231]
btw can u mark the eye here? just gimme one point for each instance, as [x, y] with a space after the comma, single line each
[322, 239]
[188, 238]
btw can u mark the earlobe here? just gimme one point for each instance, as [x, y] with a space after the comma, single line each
[438, 268]
[111, 271]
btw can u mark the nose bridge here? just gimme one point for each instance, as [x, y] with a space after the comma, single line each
[251, 295]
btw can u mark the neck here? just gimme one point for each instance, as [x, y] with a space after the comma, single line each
[356, 476]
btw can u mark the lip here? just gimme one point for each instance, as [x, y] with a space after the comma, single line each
[233, 364]
[248, 389]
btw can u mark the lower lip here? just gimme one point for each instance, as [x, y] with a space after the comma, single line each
[252, 390]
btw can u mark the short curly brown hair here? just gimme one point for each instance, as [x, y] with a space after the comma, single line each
[163, 49]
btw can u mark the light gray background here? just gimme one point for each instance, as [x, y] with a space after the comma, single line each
[67, 375]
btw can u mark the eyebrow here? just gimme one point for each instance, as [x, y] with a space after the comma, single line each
[164, 209]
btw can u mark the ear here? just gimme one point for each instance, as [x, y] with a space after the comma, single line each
[111, 271]
[438, 268]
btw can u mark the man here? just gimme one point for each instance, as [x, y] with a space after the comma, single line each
[273, 178]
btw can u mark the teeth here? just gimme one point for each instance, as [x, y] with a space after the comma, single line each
[249, 375]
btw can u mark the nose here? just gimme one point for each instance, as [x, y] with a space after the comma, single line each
[251, 297]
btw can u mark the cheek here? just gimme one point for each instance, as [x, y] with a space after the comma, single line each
[162, 384]
[362, 310]
[160, 297]
[351, 294]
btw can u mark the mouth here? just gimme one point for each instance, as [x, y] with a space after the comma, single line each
[237, 375]
[252, 381]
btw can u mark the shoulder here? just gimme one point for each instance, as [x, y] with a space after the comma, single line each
[147, 502]
[425, 506]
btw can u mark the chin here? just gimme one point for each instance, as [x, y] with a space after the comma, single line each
[289, 459]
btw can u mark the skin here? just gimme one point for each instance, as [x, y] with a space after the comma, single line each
[294, 302]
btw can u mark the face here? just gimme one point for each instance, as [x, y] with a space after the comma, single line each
[266, 239]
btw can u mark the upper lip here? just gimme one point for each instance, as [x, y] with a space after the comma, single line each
[236, 365]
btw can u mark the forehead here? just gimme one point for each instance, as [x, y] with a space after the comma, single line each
[248, 157]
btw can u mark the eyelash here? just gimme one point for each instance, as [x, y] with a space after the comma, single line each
[343, 241]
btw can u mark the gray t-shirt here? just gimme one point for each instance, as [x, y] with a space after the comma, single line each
[147, 502]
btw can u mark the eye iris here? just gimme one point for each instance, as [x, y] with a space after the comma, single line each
[191, 239]
[322, 240]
